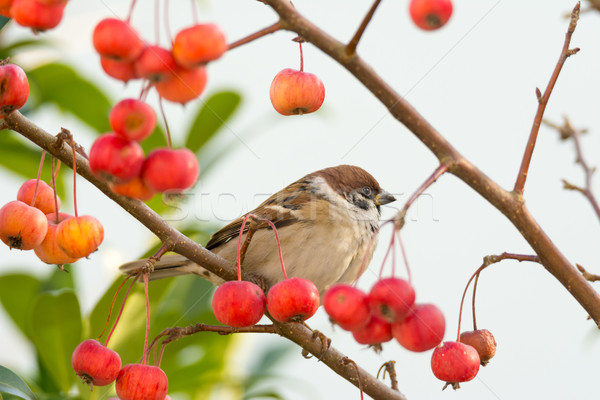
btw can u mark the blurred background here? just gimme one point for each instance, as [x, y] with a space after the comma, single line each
[474, 80]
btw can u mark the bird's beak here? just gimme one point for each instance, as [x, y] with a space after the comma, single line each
[384, 198]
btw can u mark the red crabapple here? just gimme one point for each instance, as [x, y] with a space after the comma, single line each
[95, 364]
[115, 158]
[37, 15]
[115, 38]
[141, 382]
[79, 236]
[182, 85]
[170, 169]
[132, 119]
[347, 306]
[422, 330]
[377, 331]
[21, 226]
[48, 251]
[430, 14]
[155, 64]
[294, 299]
[455, 362]
[14, 88]
[135, 188]
[121, 70]
[391, 299]
[238, 303]
[296, 92]
[44, 199]
[199, 44]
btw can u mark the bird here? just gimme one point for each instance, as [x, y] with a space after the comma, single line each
[326, 222]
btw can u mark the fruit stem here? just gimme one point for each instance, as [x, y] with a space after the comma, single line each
[156, 21]
[37, 182]
[272, 225]
[112, 305]
[130, 14]
[164, 116]
[167, 25]
[473, 302]
[404, 256]
[194, 12]
[481, 268]
[387, 253]
[136, 277]
[301, 57]
[54, 171]
[144, 359]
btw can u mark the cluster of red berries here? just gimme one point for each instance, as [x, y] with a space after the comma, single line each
[14, 88]
[242, 303]
[33, 222]
[97, 365]
[39, 15]
[118, 157]
[430, 14]
[388, 311]
[178, 74]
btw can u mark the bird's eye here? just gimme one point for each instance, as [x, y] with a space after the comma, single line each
[366, 191]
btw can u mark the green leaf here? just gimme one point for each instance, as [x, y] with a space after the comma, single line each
[56, 331]
[3, 21]
[215, 112]
[16, 47]
[64, 87]
[11, 383]
[17, 292]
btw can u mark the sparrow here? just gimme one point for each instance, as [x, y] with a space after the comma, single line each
[325, 222]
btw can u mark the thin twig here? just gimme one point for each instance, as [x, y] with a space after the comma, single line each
[351, 47]
[543, 101]
[389, 368]
[263, 32]
[399, 218]
[567, 131]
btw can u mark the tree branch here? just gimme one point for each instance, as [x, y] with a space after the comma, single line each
[508, 203]
[297, 333]
[351, 48]
[543, 101]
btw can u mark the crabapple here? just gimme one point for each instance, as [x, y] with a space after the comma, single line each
[132, 119]
[79, 236]
[115, 38]
[347, 306]
[141, 382]
[44, 198]
[36, 14]
[115, 158]
[293, 299]
[455, 362]
[422, 329]
[391, 299]
[170, 169]
[296, 92]
[377, 331]
[430, 14]
[199, 44]
[95, 364]
[48, 251]
[21, 226]
[182, 85]
[483, 341]
[155, 64]
[14, 88]
[238, 303]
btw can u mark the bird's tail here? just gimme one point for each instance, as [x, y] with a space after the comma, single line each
[172, 265]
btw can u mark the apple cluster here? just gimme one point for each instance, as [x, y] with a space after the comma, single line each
[178, 74]
[242, 303]
[33, 222]
[388, 311]
[118, 157]
[97, 365]
[39, 15]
